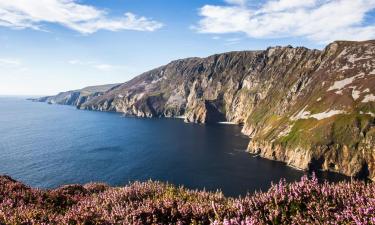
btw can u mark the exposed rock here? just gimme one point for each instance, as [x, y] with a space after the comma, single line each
[76, 97]
[296, 104]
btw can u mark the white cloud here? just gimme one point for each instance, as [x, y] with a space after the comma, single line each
[73, 62]
[96, 65]
[218, 19]
[318, 20]
[104, 67]
[7, 62]
[11, 65]
[232, 41]
[20, 14]
[79, 62]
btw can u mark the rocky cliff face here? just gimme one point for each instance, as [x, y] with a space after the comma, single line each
[76, 97]
[311, 109]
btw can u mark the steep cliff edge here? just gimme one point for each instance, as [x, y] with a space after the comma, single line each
[311, 109]
[76, 97]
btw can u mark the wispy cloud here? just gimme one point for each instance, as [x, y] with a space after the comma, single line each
[86, 19]
[105, 67]
[318, 20]
[8, 62]
[11, 65]
[79, 62]
[232, 41]
[97, 65]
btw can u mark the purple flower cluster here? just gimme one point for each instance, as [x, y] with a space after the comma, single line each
[302, 202]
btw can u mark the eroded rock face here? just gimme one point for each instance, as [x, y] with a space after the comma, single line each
[308, 108]
[322, 120]
[76, 97]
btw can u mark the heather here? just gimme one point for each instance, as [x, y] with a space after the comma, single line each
[304, 202]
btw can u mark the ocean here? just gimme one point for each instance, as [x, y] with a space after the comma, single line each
[46, 146]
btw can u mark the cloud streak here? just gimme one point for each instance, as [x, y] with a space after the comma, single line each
[95, 65]
[104, 67]
[86, 19]
[318, 20]
[8, 62]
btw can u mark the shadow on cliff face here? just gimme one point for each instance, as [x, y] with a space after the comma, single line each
[364, 173]
[214, 112]
[316, 164]
[316, 167]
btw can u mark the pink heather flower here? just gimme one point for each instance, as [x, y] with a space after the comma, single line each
[302, 202]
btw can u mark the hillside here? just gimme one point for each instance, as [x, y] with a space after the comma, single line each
[76, 97]
[309, 108]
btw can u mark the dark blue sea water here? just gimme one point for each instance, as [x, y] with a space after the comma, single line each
[50, 145]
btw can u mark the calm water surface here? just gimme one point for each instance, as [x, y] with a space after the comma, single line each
[50, 145]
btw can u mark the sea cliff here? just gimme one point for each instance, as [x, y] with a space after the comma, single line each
[312, 109]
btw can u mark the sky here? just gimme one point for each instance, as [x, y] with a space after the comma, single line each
[49, 46]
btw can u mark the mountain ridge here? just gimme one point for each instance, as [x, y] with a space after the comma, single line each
[312, 109]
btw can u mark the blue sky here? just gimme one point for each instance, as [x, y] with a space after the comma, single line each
[56, 45]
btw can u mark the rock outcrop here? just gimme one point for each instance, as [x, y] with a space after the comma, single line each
[309, 108]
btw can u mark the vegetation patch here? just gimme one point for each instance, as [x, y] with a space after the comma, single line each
[343, 129]
[302, 202]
